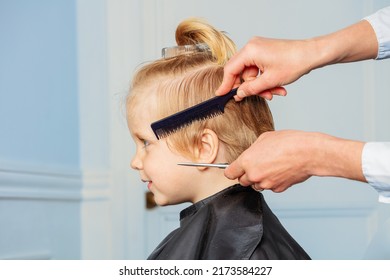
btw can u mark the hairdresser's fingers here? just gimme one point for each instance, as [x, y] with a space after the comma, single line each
[250, 73]
[237, 83]
[274, 186]
[233, 70]
[244, 180]
[266, 81]
[229, 81]
[257, 187]
[228, 84]
[267, 94]
[234, 171]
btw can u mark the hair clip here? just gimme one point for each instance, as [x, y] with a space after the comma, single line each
[184, 50]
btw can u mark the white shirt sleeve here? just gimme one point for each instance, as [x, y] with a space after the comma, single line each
[376, 168]
[380, 22]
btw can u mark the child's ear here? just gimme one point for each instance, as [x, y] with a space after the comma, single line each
[207, 150]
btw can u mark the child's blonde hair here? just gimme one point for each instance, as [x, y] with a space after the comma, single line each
[185, 80]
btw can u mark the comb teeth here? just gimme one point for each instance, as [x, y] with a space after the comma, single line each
[201, 112]
[164, 132]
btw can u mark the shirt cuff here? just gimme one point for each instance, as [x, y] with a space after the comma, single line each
[376, 168]
[380, 22]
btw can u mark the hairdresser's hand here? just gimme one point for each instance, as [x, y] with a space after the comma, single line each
[280, 159]
[279, 62]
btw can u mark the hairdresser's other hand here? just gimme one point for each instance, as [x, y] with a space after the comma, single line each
[280, 159]
[279, 62]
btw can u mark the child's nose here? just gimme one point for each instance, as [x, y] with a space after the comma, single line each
[136, 163]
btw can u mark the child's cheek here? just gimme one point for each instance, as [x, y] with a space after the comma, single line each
[149, 160]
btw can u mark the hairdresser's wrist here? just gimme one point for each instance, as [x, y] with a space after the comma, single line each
[336, 157]
[323, 51]
[345, 45]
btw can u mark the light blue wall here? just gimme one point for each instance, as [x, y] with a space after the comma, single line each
[54, 130]
[38, 82]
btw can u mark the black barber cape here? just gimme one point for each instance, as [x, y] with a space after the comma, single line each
[234, 224]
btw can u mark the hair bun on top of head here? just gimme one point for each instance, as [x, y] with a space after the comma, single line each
[195, 35]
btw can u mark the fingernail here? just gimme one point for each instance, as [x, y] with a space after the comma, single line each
[266, 96]
[241, 93]
[237, 98]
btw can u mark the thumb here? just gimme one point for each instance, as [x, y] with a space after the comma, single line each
[234, 171]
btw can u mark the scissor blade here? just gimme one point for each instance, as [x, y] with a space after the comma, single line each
[196, 164]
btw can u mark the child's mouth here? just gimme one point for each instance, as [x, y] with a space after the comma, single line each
[149, 183]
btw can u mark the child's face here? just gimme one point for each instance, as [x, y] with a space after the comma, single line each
[156, 163]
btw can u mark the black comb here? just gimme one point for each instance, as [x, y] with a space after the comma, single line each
[202, 111]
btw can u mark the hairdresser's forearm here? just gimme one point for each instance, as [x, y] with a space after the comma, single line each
[354, 43]
[337, 157]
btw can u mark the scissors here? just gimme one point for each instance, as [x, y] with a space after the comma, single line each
[196, 164]
[218, 165]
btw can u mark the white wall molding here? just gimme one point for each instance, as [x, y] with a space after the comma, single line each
[48, 183]
[38, 255]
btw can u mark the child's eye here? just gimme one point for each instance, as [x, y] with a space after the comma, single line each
[145, 142]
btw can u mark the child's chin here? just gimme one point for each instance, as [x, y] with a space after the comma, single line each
[161, 201]
[167, 202]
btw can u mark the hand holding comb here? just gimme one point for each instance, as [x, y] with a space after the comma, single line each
[202, 111]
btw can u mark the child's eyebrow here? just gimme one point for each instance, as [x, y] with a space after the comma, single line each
[141, 135]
